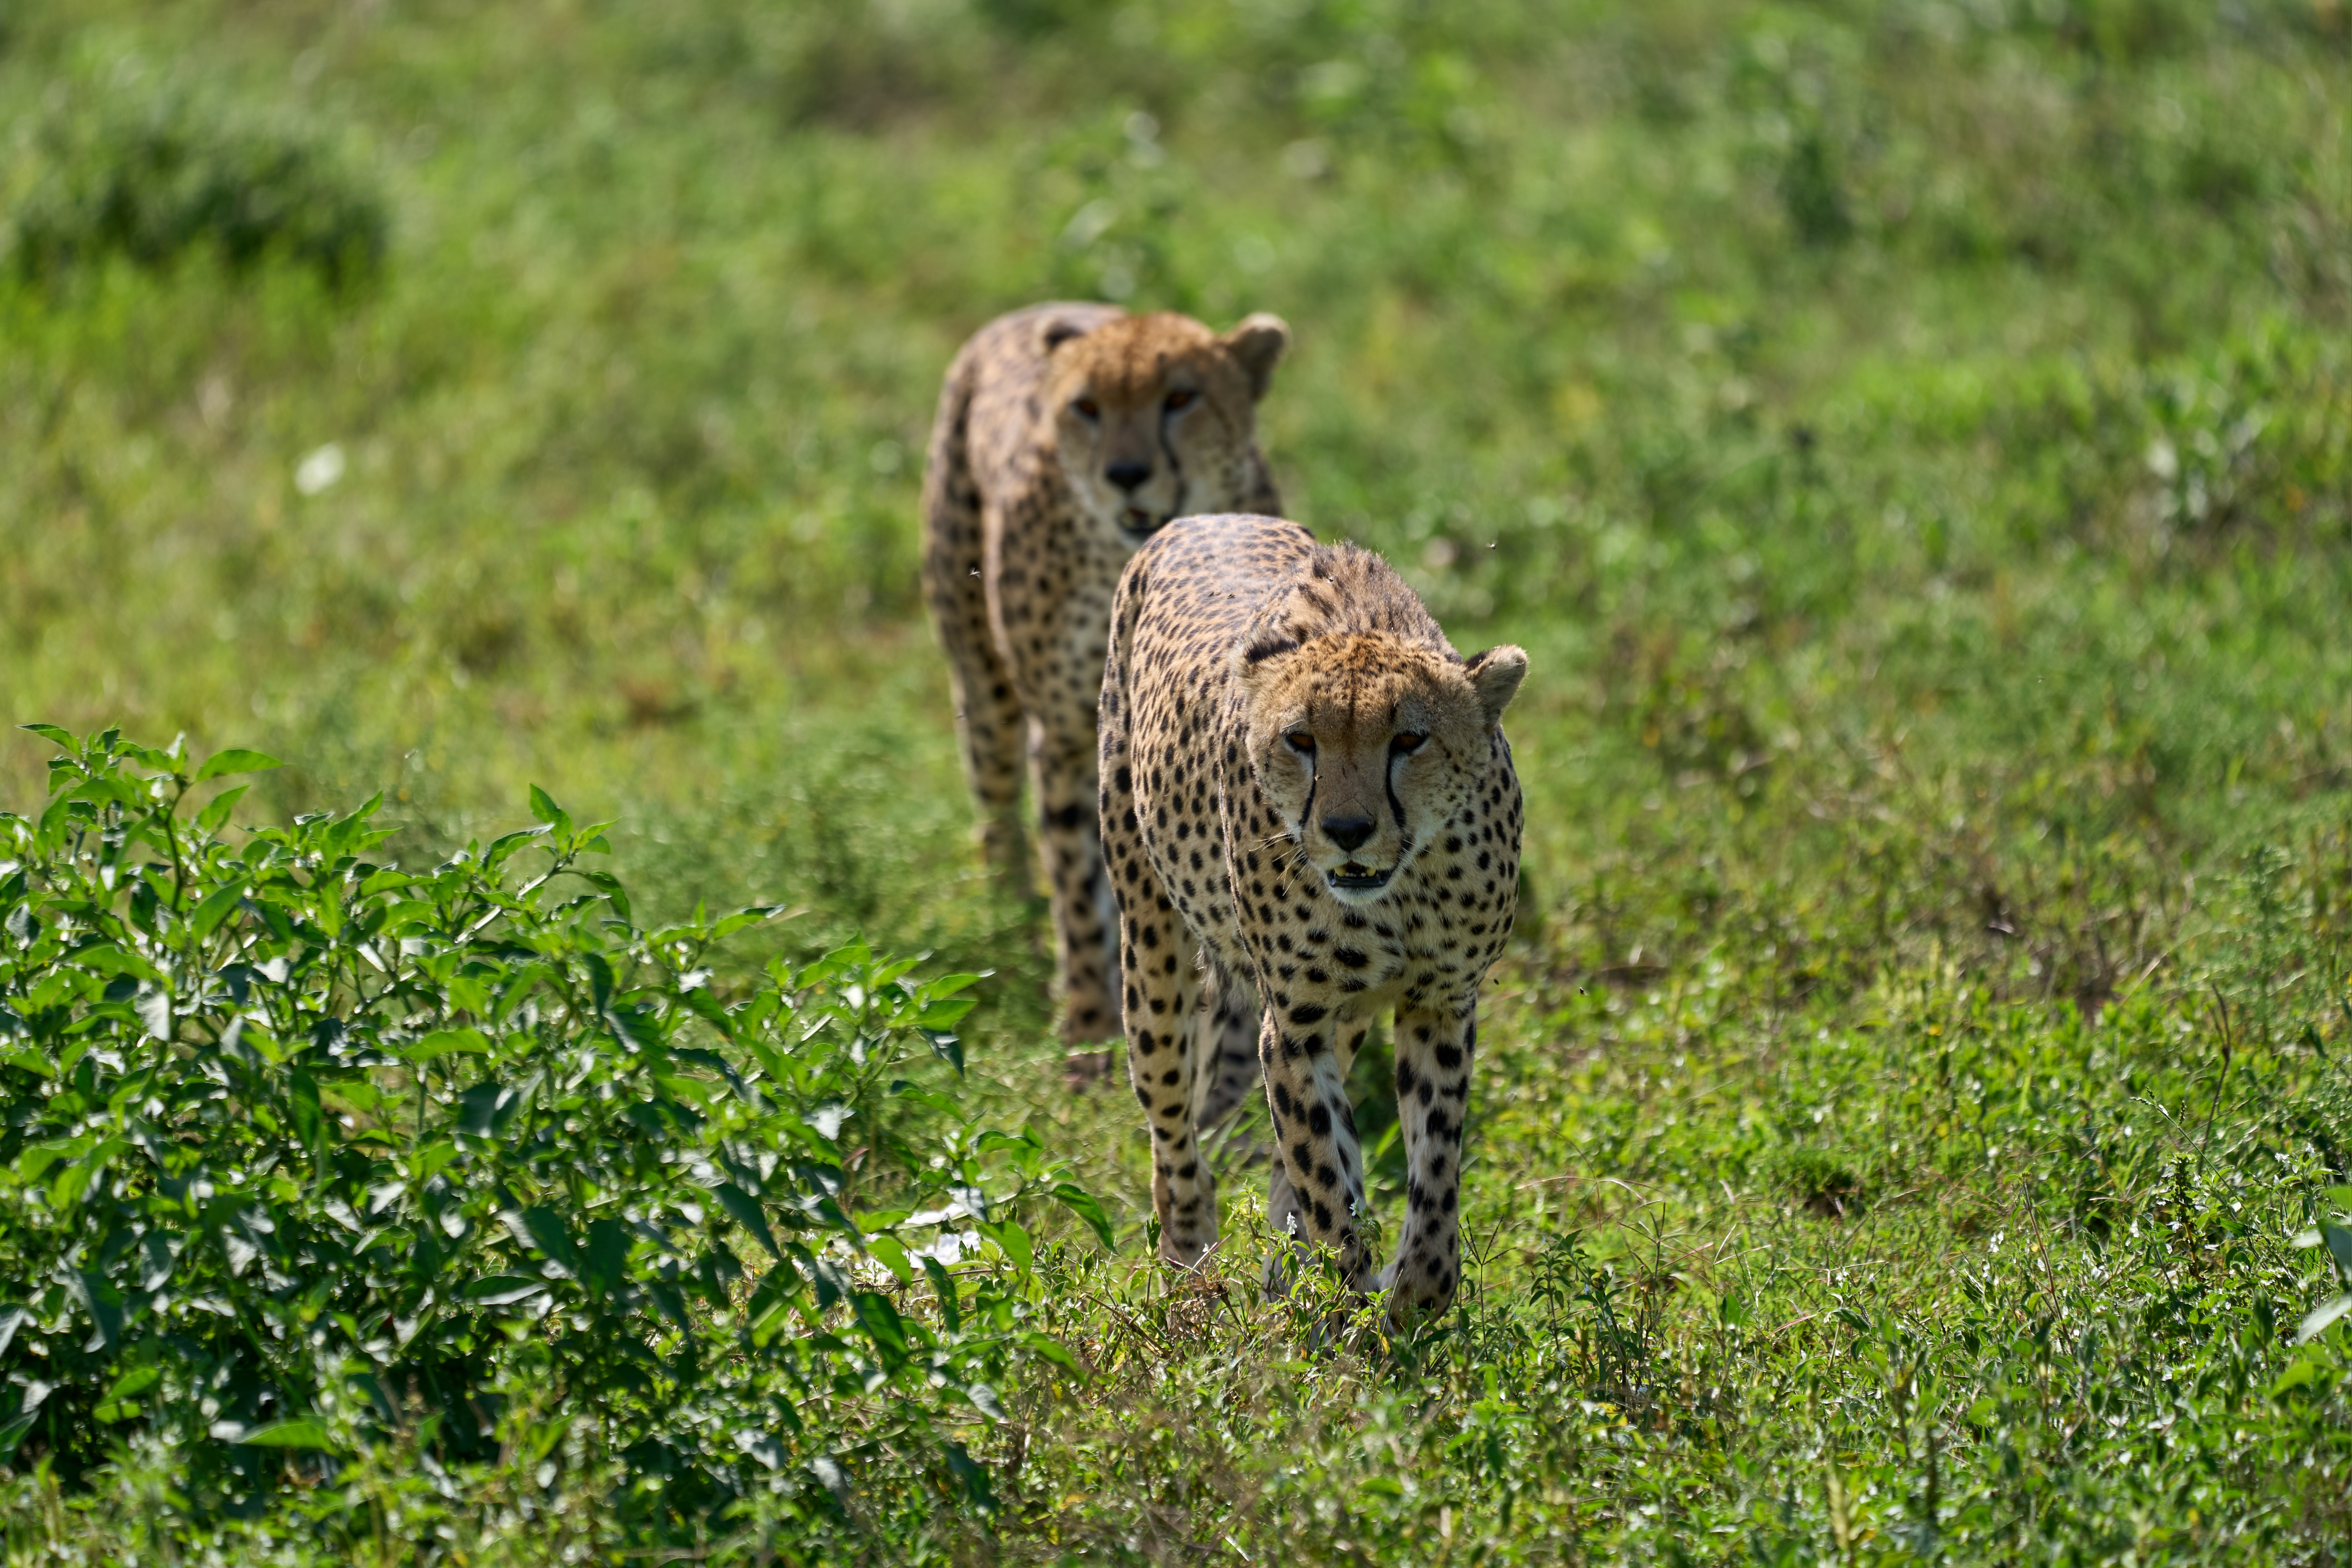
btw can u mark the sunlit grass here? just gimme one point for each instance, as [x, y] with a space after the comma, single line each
[1914, 443]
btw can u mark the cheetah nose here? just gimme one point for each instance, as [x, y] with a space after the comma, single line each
[1349, 832]
[1127, 476]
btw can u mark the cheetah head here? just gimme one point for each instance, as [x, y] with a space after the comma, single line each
[1367, 743]
[1155, 416]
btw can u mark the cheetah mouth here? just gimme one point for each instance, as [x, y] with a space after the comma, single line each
[1137, 520]
[1357, 880]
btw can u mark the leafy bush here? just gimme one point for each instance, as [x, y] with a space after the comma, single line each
[303, 1153]
[155, 178]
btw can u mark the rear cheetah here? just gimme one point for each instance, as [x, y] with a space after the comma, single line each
[1066, 436]
[1304, 785]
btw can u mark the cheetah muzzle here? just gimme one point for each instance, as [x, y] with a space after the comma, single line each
[1308, 803]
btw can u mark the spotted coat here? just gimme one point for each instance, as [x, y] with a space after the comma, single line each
[1066, 435]
[1307, 800]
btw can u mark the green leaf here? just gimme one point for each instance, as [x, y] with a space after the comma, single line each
[2296, 1376]
[447, 1042]
[2321, 1319]
[1083, 1203]
[214, 814]
[216, 907]
[54, 735]
[610, 886]
[29, 1061]
[303, 1432]
[235, 762]
[728, 925]
[1053, 1350]
[605, 1261]
[75, 1179]
[310, 1120]
[943, 1287]
[14, 1432]
[506, 844]
[892, 1256]
[503, 1289]
[136, 1381]
[543, 806]
[947, 1047]
[745, 1208]
[103, 1302]
[2339, 1246]
[1012, 1238]
[541, 1227]
[881, 1322]
[971, 1477]
[946, 1015]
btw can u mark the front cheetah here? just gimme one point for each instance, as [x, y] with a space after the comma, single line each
[1305, 786]
[1066, 436]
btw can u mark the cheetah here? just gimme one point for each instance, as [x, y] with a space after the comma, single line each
[1066, 436]
[1306, 800]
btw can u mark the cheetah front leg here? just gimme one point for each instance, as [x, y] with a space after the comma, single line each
[1321, 1162]
[1070, 842]
[1228, 1039]
[1434, 1044]
[1161, 978]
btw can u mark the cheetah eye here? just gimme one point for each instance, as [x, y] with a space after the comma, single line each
[1087, 409]
[1181, 398]
[1406, 744]
[1301, 742]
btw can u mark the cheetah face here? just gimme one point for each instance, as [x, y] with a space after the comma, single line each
[1154, 416]
[1366, 745]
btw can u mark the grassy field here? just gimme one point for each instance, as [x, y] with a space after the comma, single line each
[1913, 441]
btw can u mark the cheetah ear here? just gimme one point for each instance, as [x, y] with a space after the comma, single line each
[1058, 331]
[1258, 345]
[1496, 676]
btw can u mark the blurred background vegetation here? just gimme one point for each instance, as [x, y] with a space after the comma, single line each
[1767, 363]
[1914, 440]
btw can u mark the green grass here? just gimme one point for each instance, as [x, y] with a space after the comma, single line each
[1914, 443]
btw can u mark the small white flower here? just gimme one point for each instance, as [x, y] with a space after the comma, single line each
[319, 470]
